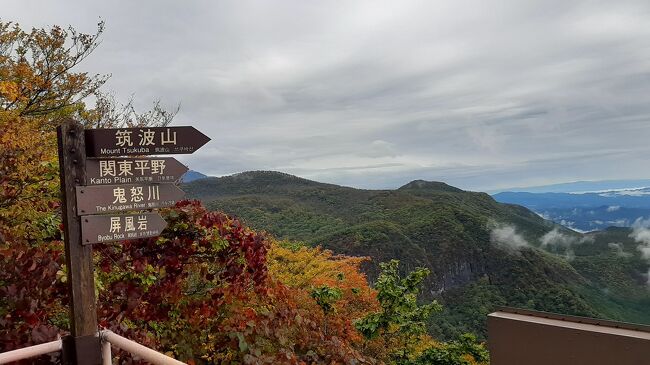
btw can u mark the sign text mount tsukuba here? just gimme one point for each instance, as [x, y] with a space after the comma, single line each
[143, 141]
[100, 199]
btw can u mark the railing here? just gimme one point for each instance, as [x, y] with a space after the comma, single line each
[107, 337]
[31, 351]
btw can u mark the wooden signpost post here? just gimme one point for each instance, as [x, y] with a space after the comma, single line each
[94, 191]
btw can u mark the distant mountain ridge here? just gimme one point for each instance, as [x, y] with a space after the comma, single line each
[580, 186]
[482, 253]
[636, 198]
[586, 211]
[193, 175]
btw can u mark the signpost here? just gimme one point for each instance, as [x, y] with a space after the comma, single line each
[115, 198]
[133, 170]
[94, 190]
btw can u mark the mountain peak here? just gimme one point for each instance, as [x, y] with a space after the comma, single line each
[430, 185]
[268, 177]
[193, 175]
[263, 173]
[250, 182]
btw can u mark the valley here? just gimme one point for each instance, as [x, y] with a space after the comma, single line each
[482, 254]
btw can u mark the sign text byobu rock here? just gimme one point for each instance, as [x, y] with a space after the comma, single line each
[111, 228]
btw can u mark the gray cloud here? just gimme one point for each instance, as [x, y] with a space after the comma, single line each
[506, 235]
[617, 247]
[556, 238]
[641, 234]
[482, 95]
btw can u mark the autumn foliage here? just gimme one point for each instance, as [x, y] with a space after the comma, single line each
[208, 290]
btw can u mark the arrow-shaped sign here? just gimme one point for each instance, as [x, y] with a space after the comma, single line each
[133, 170]
[111, 228]
[116, 198]
[143, 141]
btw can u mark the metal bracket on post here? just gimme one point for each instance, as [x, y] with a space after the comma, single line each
[83, 349]
[67, 350]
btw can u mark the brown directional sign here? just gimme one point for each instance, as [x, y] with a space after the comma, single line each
[115, 198]
[111, 228]
[143, 141]
[133, 170]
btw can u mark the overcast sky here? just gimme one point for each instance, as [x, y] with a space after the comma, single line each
[479, 94]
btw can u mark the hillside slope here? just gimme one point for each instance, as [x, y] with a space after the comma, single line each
[482, 254]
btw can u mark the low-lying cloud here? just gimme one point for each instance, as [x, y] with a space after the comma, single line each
[506, 235]
[641, 234]
[617, 247]
[555, 238]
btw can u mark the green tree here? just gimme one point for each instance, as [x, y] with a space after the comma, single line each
[401, 319]
[325, 297]
[464, 351]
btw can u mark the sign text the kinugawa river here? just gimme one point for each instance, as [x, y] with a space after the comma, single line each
[143, 141]
[115, 198]
[133, 170]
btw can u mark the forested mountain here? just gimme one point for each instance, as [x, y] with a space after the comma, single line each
[482, 254]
